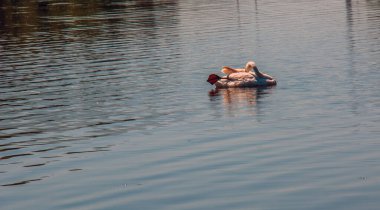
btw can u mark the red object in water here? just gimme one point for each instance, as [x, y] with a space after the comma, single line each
[213, 78]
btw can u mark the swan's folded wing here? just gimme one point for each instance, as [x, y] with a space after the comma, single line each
[240, 76]
[228, 70]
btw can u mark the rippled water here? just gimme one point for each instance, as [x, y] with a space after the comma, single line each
[104, 105]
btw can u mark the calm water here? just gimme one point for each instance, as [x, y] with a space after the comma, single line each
[104, 105]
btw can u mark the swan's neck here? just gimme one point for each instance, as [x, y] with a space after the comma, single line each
[256, 70]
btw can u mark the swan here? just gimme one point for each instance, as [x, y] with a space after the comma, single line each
[250, 76]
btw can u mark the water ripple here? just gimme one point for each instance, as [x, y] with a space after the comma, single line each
[104, 103]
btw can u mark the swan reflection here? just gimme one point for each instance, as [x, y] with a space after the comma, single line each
[239, 101]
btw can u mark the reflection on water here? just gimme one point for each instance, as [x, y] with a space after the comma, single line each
[240, 101]
[76, 70]
[100, 94]
[59, 79]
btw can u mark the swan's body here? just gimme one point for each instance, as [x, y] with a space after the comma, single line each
[248, 77]
[243, 79]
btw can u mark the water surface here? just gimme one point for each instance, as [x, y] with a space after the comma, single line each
[104, 105]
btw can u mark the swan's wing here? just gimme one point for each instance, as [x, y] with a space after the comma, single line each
[240, 76]
[228, 70]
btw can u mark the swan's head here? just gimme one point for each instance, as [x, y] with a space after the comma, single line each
[249, 66]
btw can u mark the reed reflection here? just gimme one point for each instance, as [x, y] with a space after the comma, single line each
[363, 23]
[23, 18]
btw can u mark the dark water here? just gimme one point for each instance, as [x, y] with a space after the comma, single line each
[104, 105]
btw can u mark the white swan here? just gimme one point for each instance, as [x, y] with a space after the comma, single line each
[250, 76]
